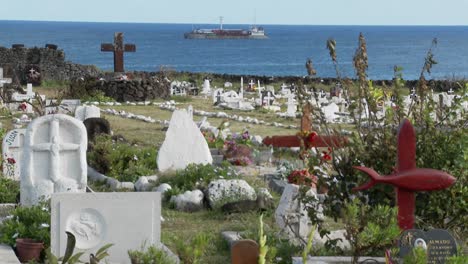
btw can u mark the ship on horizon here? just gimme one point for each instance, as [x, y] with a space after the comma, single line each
[254, 32]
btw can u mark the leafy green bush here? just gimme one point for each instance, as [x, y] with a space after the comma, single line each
[191, 252]
[152, 255]
[197, 176]
[441, 143]
[9, 189]
[121, 160]
[27, 222]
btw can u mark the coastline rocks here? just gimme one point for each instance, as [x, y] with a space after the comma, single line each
[189, 201]
[221, 192]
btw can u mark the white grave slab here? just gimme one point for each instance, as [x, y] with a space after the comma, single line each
[54, 158]
[292, 106]
[184, 144]
[12, 148]
[84, 112]
[127, 220]
[329, 112]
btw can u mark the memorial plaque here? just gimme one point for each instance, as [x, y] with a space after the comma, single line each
[438, 243]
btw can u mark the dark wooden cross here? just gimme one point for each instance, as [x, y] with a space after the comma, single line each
[310, 139]
[118, 48]
[408, 179]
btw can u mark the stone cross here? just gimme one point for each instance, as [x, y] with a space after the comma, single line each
[251, 84]
[269, 99]
[408, 179]
[118, 48]
[54, 158]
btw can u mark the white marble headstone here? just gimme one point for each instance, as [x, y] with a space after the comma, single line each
[54, 158]
[184, 144]
[206, 87]
[84, 112]
[3, 80]
[12, 148]
[127, 220]
[329, 112]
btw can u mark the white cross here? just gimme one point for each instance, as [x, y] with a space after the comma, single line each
[251, 83]
[268, 97]
[54, 147]
[3, 80]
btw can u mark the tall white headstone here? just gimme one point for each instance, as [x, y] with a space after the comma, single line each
[12, 148]
[84, 112]
[54, 158]
[329, 111]
[206, 87]
[292, 106]
[127, 220]
[184, 144]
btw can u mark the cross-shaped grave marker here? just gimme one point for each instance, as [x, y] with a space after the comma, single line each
[408, 179]
[310, 139]
[3, 80]
[118, 48]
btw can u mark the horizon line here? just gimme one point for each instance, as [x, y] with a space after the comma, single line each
[270, 24]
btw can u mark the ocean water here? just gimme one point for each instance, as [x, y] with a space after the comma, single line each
[284, 53]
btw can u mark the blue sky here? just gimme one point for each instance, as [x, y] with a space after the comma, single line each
[305, 12]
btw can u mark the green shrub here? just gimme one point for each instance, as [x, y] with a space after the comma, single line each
[197, 176]
[191, 252]
[121, 160]
[27, 222]
[9, 189]
[152, 255]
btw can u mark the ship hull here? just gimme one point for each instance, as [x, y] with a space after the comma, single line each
[214, 36]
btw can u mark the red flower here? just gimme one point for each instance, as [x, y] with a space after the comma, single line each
[22, 106]
[11, 160]
[302, 177]
[311, 137]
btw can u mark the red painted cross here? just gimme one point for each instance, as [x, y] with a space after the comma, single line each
[408, 179]
[118, 48]
[310, 139]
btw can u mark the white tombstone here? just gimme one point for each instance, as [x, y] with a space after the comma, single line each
[127, 220]
[227, 84]
[12, 148]
[292, 106]
[206, 87]
[84, 112]
[241, 92]
[54, 158]
[184, 144]
[329, 111]
[29, 89]
[3, 80]
[291, 215]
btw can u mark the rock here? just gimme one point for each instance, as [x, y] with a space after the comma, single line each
[189, 201]
[184, 144]
[162, 188]
[231, 237]
[257, 140]
[127, 185]
[221, 192]
[142, 184]
[277, 185]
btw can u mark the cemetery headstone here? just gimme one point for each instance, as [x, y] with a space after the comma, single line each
[206, 87]
[54, 158]
[118, 48]
[2, 79]
[12, 148]
[84, 112]
[245, 252]
[184, 144]
[128, 220]
[408, 179]
[438, 243]
[95, 126]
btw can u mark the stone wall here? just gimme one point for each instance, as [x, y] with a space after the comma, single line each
[139, 87]
[49, 62]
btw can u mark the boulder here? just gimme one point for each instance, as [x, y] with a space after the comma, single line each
[221, 192]
[189, 201]
[164, 187]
